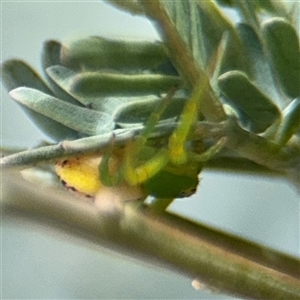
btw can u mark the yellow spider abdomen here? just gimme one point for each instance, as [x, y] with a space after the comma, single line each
[80, 174]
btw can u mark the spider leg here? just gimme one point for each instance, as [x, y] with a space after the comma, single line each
[188, 118]
[138, 174]
[191, 110]
[105, 166]
[152, 121]
[213, 150]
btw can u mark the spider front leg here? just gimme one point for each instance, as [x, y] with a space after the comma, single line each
[110, 175]
[128, 170]
[133, 174]
[163, 175]
[210, 152]
[187, 120]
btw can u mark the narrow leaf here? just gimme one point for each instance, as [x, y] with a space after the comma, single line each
[50, 55]
[282, 45]
[260, 71]
[95, 53]
[104, 84]
[16, 73]
[60, 78]
[138, 112]
[64, 77]
[110, 84]
[234, 56]
[83, 120]
[200, 24]
[179, 24]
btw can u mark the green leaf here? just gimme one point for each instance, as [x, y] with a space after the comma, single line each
[16, 73]
[274, 7]
[104, 84]
[50, 55]
[256, 108]
[137, 112]
[200, 24]
[109, 84]
[259, 69]
[234, 55]
[95, 53]
[63, 77]
[282, 45]
[129, 98]
[83, 120]
[191, 41]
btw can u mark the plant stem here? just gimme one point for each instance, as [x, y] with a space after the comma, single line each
[218, 260]
[182, 58]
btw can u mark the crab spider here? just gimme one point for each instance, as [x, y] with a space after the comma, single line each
[166, 172]
[170, 171]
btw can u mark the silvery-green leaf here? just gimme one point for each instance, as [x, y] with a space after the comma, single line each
[200, 25]
[259, 69]
[256, 108]
[98, 84]
[106, 91]
[282, 45]
[234, 56]
[63, 79]
[16, 73]
[83, 120]
[60, 78]
[50, 57]
[252, 50]
[138, 112]
[95, 53]
[104, 84]
[191, 41]
[278, 8]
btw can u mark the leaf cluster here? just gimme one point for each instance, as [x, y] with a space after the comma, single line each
[97, 88]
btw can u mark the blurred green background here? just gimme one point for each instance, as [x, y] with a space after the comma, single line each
[39, 264]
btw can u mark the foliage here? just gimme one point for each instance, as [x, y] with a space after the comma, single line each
[247, 76]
